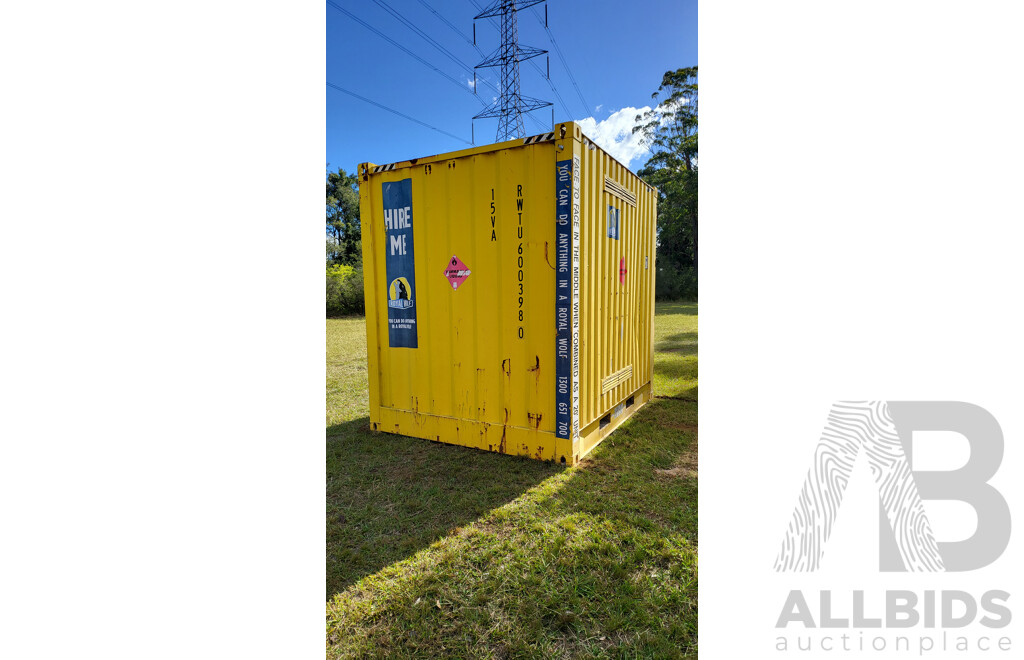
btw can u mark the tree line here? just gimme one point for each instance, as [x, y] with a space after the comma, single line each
[344, 247]
[669, 131]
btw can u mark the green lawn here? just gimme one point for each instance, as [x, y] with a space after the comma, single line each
[436, 550]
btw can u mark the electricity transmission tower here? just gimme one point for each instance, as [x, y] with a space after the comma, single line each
[511, 105]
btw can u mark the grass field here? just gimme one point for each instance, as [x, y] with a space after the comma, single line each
[436, 550]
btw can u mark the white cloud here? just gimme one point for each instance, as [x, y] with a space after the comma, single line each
[598, 108]
[471, 82]
[615, 134]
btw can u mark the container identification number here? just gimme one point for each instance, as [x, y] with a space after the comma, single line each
[520, 275]
[519, 210]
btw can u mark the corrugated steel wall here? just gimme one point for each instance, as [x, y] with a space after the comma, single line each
[472, 379]
[617, 318]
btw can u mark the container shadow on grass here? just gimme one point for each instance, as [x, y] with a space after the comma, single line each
[603, 564]
[688, 394]
[390, 496]
[684, 308]
[681, 343]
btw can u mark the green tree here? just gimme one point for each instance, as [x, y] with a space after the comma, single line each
[343, 245]
[669, 131]
[344, 290]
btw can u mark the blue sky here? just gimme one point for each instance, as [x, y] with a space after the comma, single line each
[616, 50]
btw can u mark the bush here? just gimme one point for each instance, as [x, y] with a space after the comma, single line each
[675, 284]
[345, 290]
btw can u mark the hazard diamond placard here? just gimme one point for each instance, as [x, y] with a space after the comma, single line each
[456, 271]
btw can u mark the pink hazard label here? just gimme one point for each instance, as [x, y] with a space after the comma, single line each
[456, 271]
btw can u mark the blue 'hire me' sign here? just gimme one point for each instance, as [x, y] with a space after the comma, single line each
[400, 263]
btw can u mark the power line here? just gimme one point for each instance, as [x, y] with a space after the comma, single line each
[553, 88]
[444, 51]
[512, 104]
[461, 85]
[431, 41]
[448, 23]
[494, 22]
[534, 64]
[558, 51]
[455, 81]
[462, 34]
[393, 111]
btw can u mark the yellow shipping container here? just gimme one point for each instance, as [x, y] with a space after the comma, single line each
[509, 295]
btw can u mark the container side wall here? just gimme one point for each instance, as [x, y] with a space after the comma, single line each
[618, 217]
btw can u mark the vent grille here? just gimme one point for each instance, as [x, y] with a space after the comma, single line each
[614, 189]
[616, 379]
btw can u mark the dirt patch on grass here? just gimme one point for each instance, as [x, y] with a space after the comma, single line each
[685, 466]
